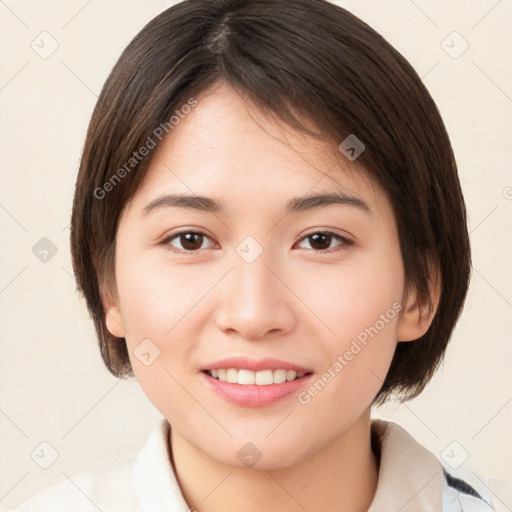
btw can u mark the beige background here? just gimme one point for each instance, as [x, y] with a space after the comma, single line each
[54, 386]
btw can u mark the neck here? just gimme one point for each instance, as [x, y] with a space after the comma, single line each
[341, 476]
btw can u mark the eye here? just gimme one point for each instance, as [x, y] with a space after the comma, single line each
[190, 241]
[323, 239]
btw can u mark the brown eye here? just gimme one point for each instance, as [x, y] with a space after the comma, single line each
[190, 241]
[321, 241]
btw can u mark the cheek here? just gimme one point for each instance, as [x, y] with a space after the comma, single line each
[360, 304]
[161, 302]
[157, 295]
[349, 298]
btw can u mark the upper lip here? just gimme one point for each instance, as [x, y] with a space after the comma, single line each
[244, 363]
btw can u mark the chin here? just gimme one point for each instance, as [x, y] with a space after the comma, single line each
[260, 454]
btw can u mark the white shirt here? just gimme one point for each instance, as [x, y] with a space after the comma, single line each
[411, 479]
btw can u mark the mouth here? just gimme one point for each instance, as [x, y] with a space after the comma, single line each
[248, 382]
[258, 378]
[251, 389]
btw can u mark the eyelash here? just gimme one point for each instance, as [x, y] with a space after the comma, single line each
[345, 242]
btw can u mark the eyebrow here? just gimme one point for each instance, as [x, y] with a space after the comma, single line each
[294, 205]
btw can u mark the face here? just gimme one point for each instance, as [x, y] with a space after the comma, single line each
[268, 275]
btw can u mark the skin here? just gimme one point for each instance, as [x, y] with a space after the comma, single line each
[294, 302]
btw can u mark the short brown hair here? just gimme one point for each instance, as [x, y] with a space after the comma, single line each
[298, 60]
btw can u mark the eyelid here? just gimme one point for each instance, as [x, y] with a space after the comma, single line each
[328, 231]
[346, 241]
[168, 238]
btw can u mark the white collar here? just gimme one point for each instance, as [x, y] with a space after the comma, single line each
[410, 477]
[156, 484]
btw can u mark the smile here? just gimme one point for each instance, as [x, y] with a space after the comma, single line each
[260, 378]
[255, 389]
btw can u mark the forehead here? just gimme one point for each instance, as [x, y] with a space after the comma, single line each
[226, 147]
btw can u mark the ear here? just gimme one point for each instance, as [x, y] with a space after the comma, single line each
[416, 319]
[113, 319]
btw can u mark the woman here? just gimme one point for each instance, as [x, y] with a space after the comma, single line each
[270, 234]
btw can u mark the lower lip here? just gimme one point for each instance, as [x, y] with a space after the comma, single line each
[253, 395]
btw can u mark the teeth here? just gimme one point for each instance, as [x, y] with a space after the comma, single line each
[279, 376]
[261, 378]
[244, 376]
[290, 375]
[231, 375]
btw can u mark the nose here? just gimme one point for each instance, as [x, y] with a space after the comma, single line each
[255, 300]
